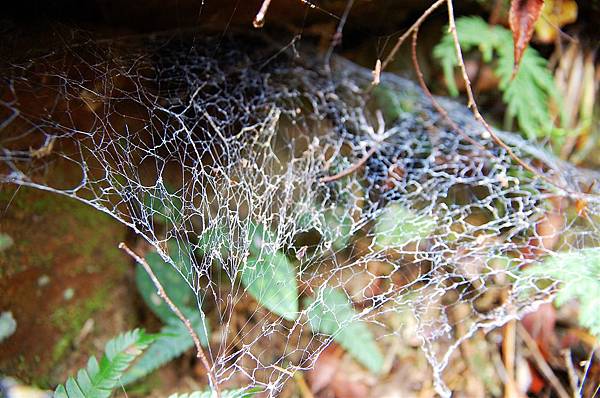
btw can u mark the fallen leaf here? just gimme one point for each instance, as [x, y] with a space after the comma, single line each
[522, 17]
[322, 374]
[541, 325]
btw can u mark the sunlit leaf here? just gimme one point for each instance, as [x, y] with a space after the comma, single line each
[8, 325]
[331, 313]
[555, 15]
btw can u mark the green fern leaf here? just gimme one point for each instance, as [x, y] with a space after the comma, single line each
[174, 340]
[527, 95]
[98, 379]
[579, 272]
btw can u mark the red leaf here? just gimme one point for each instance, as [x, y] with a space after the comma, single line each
[522, 17]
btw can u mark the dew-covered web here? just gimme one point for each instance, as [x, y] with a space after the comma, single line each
[230, 154]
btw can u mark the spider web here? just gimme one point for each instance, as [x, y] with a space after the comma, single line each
[220, 153]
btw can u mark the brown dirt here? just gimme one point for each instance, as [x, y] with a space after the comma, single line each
[65, 282]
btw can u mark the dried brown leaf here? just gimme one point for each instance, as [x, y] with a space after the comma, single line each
[522, 18]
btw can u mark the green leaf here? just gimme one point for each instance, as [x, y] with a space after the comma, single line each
[8, 325]
[396, 226]
[579, 272]
[271, 279]
[174, 284]
[98, 379]
[5, 242]
[224, 394]
[174, 340]
[332, 314]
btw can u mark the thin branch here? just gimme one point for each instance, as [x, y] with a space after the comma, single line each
[403, 38]
[440, 109]
[542, 365]
[259, 20]
[573, 379]
[337, 36]
[161, 292]
[473, 105]
[350, 169]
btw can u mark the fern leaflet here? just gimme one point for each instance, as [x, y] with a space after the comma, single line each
[98, 379]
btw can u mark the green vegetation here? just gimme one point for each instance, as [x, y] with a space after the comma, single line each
[98, 379]
[579, 272]
[527, 95]
[331, 313]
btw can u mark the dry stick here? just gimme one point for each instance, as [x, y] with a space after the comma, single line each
[259, 20]
[161, 292]
[573, 380]
[473, 105]
[337, 36]
[541, 362]
[434, 102]
[350, 169]
[508, 354]
[402, 38]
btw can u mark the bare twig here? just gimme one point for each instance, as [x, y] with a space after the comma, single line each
[406, 34]
[434, 102]
[337, 36]
[585, 371]
[352, 168]
[541, 363]
[473, 105]
[161, 292]
[259, 19]
[573, 379]
[508, 354]
[302, 386]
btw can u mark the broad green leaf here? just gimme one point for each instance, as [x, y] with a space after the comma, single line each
[174, 284]
[270, 278]
[99, 379]
[5, 242]
[396, 226]
[224, 394]
[8, 325]
[579, 272]
[174, 340]
[331, 313]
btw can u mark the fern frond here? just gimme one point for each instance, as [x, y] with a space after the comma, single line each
[527, 96]
[98, 379]
[174, 340]
[579, 272]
